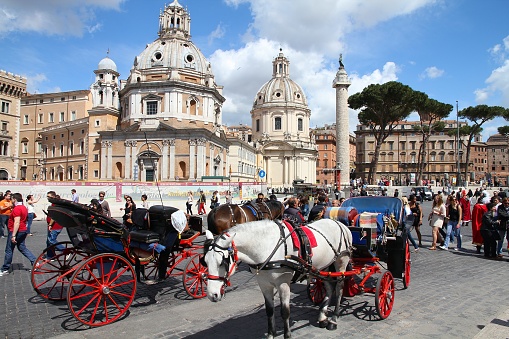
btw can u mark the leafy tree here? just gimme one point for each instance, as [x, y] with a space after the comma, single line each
[504, 130]
[431, 113]
[382, 107]
[477, 116]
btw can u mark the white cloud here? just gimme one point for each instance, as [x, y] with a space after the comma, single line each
[58, 17]
[34, 81]
[301, 25]
[431, 73]
[498, 81]
[218, 33]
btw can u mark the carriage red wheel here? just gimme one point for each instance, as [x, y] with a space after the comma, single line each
[408, 264]
[384, 295]
[107, 285]
[50, 276]
[194, 278]
[316, 290]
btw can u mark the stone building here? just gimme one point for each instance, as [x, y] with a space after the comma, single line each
[399, 153]
[163, 123]
[497, 171]
[326, 167]
[242, 154]
[280, 121]
[12, 89]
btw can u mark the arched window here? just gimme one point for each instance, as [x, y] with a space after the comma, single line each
[300, 124]
[277, 124]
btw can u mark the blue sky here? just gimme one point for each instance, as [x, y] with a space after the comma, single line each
[450, 49]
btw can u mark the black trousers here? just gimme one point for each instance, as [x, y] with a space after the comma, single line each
[169, 242]
[490, 244]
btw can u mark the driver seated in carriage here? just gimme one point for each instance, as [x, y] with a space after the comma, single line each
[292, 212]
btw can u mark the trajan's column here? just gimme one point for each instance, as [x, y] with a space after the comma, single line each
[341, 84]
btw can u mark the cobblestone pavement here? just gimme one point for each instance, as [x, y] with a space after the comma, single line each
[451, 295]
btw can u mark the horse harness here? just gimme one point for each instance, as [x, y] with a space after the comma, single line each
[300, 264]
[256, 210]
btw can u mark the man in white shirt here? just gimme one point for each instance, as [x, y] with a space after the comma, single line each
[74, 196]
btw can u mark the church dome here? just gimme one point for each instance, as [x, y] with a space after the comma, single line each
[280, 89]
[107, 63]
[173, 49]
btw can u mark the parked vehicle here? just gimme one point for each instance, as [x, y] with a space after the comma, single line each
[428, 193]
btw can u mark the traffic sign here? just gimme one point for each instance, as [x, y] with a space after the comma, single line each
[261, 174]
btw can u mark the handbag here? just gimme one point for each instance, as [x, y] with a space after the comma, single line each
[35, 216]
[495, 235]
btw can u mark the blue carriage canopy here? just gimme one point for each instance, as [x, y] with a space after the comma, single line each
[384, 205]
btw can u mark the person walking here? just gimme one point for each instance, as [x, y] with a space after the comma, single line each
[489, 231]
[17, 227]
[189, 203]
[104, 204]
[454, 214]
[503, 216]
[214, 201]
[129, 208]
[74, 196]
[228, 197]
[417, 212]
[436, 218]
[465, 208]
[201, 203]
[54, 230]
[31, 201]
[409, 218]
[6, 206]
[477, 213]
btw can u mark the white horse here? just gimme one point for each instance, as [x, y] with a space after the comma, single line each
[261, 242]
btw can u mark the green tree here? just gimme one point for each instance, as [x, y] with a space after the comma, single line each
[381, 108]
[477, 116]
[431, 113]
[504, 130]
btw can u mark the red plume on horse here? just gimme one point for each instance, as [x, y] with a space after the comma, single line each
[228, 215]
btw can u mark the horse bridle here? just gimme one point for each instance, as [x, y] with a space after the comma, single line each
[229, 262]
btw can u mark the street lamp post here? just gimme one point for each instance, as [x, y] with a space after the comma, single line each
[458, 145]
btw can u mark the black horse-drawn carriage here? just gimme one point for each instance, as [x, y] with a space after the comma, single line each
[94, 271]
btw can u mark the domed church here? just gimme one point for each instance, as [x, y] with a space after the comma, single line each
[168, 125]
[280, 124]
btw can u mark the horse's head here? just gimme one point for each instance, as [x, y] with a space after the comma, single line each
[221, 260]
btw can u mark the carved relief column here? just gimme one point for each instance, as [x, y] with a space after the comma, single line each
[164, 165]
[104, 149]
[227, 166]
[127, 160]
[110, 160]
[172, 158]
[192, 158]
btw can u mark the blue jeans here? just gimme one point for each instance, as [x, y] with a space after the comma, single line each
[450, 226]
[408, 228]
[3, 223]
[20, 244]
[30, 218]
[52, 239]
[457, 234]
[500, 242]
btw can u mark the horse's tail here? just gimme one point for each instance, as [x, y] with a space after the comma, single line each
[211, 223]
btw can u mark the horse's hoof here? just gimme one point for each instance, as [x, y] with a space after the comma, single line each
[323, 323]
[332, 326]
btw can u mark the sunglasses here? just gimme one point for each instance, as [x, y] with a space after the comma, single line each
[101, 196]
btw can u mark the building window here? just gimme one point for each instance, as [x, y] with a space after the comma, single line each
[71, 148]
[73, 97]
[96, 157]
[96, 173]
[82, 147]
[151, 107]
[62, 116]
[53, 151]
[5, 107]
[73, 115]
[277, 123]
[300, 124]
[258, 125]
[40, 119]
[325, 147]
[25, 120]
[61, 150]
[97, 123]
[39, 147]
[25, 147]
[51, 118]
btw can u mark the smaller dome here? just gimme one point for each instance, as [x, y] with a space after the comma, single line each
[107, 63]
